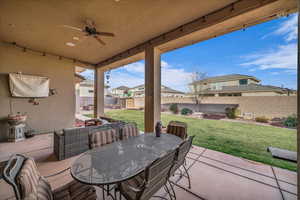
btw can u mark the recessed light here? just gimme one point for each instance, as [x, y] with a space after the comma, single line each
[70, 44]
[75, 38]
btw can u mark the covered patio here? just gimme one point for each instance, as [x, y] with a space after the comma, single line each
[214, 175]
[36, 40]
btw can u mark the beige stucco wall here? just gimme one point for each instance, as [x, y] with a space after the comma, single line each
[269, 106]
[260, 94]
[139, 102]
[52, 113]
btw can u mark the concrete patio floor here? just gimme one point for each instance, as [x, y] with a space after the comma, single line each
[214, 175]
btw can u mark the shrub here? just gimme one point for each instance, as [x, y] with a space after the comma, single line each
[291, 121]
[186, 111]
[231, 113]
[262, 119]
[174, 108]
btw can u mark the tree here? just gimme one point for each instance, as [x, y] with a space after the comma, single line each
[195, 87]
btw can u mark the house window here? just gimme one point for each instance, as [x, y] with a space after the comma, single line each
[91, 91]
[230, 94]
[243, 81]
[217, 86]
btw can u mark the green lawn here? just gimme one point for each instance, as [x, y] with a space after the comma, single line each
[239, 139]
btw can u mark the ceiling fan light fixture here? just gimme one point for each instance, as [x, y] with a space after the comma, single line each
[76, 38]
[70, 44]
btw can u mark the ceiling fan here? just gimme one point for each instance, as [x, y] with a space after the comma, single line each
[90, 30]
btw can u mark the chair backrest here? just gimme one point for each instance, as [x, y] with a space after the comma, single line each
[157, 175]
[183, 150]
[22, 174]
[102, 135]
[129, 130]
[177, 128]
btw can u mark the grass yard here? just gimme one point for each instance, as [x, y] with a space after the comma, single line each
[239, 139]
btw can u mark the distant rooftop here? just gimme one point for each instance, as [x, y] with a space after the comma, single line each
[164, 89]
[122, 87]
[230, 77]
[249, 88]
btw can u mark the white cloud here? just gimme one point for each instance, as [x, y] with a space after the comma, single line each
[133, 74]
[164, 64]
[290, 71]
[174, 77]
[283, 57]
[274, 73]
[88, 74]
[289, 28]
[137, 67]
[126, 79]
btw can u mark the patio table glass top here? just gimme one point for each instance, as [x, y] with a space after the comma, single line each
[123, 159]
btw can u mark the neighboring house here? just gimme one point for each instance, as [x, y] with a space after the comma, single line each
[86, 92]
[78, 79]
[139, 91]
[238, 85]
[121, 91]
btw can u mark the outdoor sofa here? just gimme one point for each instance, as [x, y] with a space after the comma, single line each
[74, 141]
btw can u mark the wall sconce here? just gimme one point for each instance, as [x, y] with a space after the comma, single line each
[52, 91]
[33, 101]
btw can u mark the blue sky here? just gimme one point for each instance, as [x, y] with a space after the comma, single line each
[267, 51]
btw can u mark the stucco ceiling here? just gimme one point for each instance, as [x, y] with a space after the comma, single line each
[37, 24]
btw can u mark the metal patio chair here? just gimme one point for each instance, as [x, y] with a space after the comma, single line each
[22, 174]
[180, 159]
[177, 128]
[145, 185]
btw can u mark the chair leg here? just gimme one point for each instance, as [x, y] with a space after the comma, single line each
[188, 176]
[168, 191]
[172, 188]
[103, 194]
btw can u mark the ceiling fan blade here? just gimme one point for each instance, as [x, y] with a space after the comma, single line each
[73, 28]
[106, 34]
[99, 40]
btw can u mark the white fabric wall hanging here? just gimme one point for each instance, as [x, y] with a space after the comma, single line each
[28, 85]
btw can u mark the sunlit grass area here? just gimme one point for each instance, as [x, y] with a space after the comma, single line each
[244, 140]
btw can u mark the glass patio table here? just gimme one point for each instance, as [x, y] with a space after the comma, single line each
[121, 160]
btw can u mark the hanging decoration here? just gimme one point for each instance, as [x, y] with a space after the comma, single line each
[107, 77]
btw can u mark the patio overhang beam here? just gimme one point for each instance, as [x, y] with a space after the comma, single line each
[83, 64]
[221, 15]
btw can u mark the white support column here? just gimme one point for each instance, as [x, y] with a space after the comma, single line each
[99, 93]
[152, 88]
